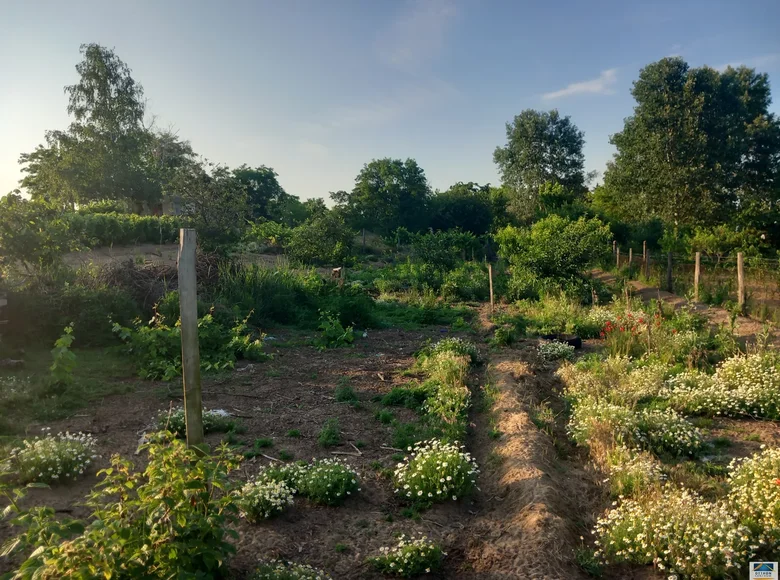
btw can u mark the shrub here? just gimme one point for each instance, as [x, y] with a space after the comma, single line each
[330, 434]
[555, 350]
[63, 359]
[503, 336]
[169, 521]
[456, 346]
[333, 334]
[469, 282]
[268, 235]
[755, 494]
[278, 570]
[442, 249]
[214, 421]
[262, 499]
[51, 458]
[410, 557]
[632, 472]
[676, 531]
[322, 239]
[412, 397]
[435, 472]
[328, 482]
[123, 229]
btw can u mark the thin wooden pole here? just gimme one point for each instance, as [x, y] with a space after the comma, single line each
[696, 277]
[644, 251]
[190, 352]
[669, 285]
[647, 265]
[630, 257]
[614, 246]
[617, 255]
[741, 281]
[490, 279]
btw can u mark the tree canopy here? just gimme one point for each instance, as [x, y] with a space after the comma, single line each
[542, 147]
[701, 148]
[466, 206]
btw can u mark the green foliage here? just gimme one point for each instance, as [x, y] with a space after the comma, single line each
[333, 334]
[454, 345]
[63, 359]
[294, 433]
[330, 434]
[345, 393]
[32, 233]
[388, 193]
[384, 416]
[172, 520]
[700, 148]
[267, 235]
[443, 249]
[156, 347]
[554, 251]
[720, 241]
[121, 229]
[322, 239]
[542, 147]
[409, 558]
[328, 482]
[464, 206]
[412, 396]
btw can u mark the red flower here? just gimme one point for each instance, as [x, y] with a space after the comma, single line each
[601, 334]
[641, 321]
[777, 481]
[622, 329]
[674, 331]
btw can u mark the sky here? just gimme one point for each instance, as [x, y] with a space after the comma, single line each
[317, 88]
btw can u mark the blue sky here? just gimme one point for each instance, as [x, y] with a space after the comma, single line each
[316, 88]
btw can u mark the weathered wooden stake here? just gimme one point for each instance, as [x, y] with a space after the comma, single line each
[630, 257]
[617, 255]
[647, 265]
[669, 285]
[644, 251]
[490, 279]
[741, 281]
[696, 277]
[190, 352]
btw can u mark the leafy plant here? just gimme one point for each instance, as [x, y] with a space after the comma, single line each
[555, 350]
[171, 520]
[330, 434]
[328, 482]
[333, 334]
[410, 557]
[64, 359]
[345, 393]
[279, 570]
[262, 499]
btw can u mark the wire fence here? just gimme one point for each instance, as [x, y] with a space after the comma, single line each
[718, 283]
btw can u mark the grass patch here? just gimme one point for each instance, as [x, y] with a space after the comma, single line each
[330, 435]
[384, 416]
[294, 433]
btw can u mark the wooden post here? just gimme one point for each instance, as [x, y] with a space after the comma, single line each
[644, 251]
[190, 352]
[696, 277]
[741, 281]
[614, 246]
[647, 265]
[617, 256]
[630, 257]
[669, 285]
[490, 280]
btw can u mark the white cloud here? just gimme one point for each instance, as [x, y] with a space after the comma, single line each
[759, 62]
[418, 35]
[603, 85]
[312, 148]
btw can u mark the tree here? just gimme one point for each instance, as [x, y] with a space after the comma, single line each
[541, 147]
[266, 198]
[104, 154]
[215, 201]
[701, 148]
[322, 239]
[464, 205]
[388, 193]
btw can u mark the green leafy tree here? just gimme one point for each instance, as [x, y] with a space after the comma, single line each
[388, 194]
[105, 152]
[701, 148]
[266, 198]
[464, 205]
[542, 147]
[322, 239]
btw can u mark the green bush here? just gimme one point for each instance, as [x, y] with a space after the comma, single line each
[410, 557]
[330, 434]
[50, 459]
[443, 249]
[122, 229]
[278, 570]
[332, 332]
[322, 239]
[267, 235]
[171, 520]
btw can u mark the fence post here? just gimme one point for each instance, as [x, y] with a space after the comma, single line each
[490, 279]
[644, 251]
[741, 282]
[617, 254]
[614, 246]
[696, 277]
[647, 265]
[669, 285]
[190, 353]
[630, 257]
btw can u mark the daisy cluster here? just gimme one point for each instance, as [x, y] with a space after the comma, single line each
[280, 570]
[410, 557]
[323, 481]
[261, 499]
[52, 458]
[555, 350]
[435, 472]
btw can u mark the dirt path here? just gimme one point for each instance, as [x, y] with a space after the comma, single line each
[745, 327]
